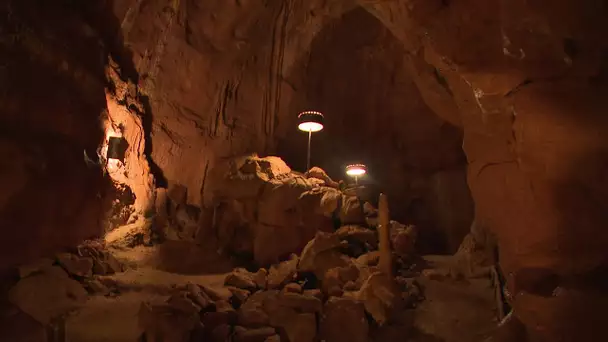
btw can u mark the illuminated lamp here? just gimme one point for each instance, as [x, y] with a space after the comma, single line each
[310, 121]
[356, 171]
[117, 148]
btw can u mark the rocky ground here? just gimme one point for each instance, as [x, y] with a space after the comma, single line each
[330, 288]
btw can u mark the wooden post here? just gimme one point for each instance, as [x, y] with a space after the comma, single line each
[386, 260]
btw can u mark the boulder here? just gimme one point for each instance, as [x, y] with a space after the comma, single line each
[292, 288]
[358, 234]
[368, 259]
[403, 238]
[220, 333]
[180, 302]
[282, 273]
[319, 173]
[47, 294]
[320, 255]
[261, 208]
[96, 287]
[198, 296]
[75, 265]
[242, 279]
[291, 313]
[380, 296]
[252, 335]
[34, 267]
[239, 295]
[163, 320]
[343, 320]
[351, 211]
[252, 317]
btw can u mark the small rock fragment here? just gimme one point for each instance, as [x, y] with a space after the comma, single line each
[343, 320]
[282, 273]
[221, 333]
[252, 318]
[293, 288]
[34, 267]
[242, 279]
[96, 287]
[253, 335]
[75, 265]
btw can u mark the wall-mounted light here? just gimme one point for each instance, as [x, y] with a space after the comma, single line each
[117, 148]
[310, 121]
[356, 171]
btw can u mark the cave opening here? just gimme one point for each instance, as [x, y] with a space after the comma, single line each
[356, 74]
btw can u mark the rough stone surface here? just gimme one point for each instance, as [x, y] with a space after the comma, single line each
[48, 294]
[343, 320]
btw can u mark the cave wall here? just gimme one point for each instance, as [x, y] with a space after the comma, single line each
[525, 80]
[51, 99]
[355, 73]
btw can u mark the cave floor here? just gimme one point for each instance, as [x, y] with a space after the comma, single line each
[453, 311]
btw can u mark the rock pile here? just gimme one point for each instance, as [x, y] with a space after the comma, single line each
[333, 292]
[266, 211]
[66, 279]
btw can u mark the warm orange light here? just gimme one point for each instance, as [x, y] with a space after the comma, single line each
[310, 121]
[356, 170]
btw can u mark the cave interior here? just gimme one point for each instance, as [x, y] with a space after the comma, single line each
[156, 188]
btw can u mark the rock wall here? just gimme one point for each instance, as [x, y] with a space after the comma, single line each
[51, 98]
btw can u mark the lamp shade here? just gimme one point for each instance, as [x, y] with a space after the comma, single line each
[310, 121]
[117, 147]
[356, 170]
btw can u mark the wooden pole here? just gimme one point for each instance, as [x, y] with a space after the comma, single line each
[386, 260]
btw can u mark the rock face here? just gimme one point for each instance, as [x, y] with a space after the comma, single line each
[265, 210]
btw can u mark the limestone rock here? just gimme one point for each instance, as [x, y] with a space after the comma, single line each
[239, 294]
[198, 296]
[282, 273]
[261, 278]
[343, 320]
[319, 173]
[48, 294]
[96, 287]
[313, 293]
[299, 302]
[242, 279]
[252, 317]
[299, 327]
[380, 297]
[320, 255]
[181, 302]
[75, 265]
[161, 319]
[369, 259]
[359, 234]
[293, 288]
[403, 238]
[351, 211]
[253, 335]
[221, 333]
[34, 267]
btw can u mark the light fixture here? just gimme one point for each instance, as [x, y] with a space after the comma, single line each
[356, 171]
[117, 147]
[310, 121]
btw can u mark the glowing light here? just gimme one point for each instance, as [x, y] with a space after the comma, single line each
[310, 127]
[310, 121]
[356, 170]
